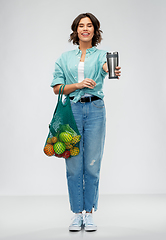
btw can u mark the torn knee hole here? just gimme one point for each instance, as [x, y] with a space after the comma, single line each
[92, 163]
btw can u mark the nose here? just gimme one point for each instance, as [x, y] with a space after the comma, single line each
[85, 27]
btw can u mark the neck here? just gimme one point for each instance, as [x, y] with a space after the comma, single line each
[84, 45]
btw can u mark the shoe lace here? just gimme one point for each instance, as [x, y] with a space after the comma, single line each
[76, 219]
[88, 220]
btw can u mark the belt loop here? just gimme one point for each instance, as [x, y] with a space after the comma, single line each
[90, 99]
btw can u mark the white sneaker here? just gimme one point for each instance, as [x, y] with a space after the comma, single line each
[77, 222]
[89, 225]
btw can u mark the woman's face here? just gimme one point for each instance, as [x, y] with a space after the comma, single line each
[85, 30]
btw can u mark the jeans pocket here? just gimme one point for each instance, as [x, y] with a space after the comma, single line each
[98, 103]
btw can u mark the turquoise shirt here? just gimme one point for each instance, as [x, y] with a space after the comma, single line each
[66, 71]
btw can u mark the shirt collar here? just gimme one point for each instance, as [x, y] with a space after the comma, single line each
[89, 50]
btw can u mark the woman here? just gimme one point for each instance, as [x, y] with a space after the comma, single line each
[83, 71]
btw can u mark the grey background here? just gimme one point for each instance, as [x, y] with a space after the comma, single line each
[33, 35]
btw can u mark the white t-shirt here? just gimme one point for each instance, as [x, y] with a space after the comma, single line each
[81, 76]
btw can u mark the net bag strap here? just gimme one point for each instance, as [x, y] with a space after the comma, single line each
[61, 93]
[59, 99]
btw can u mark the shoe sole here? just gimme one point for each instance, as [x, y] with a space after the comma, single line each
[90, 229]
[72, 230]
[75, 229]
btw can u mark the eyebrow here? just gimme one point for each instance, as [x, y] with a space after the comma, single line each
[83, 23]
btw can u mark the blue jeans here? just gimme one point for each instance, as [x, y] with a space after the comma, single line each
[83, 170]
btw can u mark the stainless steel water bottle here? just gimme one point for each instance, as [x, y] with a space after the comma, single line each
[112, 63]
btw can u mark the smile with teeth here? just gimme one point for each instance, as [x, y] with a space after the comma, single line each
[85, 34]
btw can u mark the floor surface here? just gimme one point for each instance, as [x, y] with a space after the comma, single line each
[119, 217]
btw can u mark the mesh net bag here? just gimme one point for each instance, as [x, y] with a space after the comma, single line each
[63, 137]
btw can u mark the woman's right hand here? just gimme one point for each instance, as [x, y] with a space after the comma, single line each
[87, 82]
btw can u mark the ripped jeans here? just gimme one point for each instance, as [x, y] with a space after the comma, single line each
[83, 170]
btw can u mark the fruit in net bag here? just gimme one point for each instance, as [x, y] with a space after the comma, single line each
[54, 139]
[68, 145]
[66, 154]
[49, 140]
[59, 147]
[49, 150]
[65, 137]
[74, 151]
[76, 139]
[58, 155]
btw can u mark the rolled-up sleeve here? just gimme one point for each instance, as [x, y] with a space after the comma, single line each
[58, 75]
[103, 60]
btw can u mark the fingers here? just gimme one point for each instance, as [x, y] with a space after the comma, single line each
[89, 83]
[118, 67]
[117, 72]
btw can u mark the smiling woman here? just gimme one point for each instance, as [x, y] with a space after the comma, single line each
[90, 22]
[85, 30]
[82, 71]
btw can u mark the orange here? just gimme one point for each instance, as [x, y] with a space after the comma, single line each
[49, 150]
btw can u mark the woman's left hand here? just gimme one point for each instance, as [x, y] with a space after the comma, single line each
[117, 71]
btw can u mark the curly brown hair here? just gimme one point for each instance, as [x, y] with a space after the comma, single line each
[96, 24]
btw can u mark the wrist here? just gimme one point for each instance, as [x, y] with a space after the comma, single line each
[77, 85]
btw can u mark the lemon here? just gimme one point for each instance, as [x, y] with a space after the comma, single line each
[68, 145]
[76, 139]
